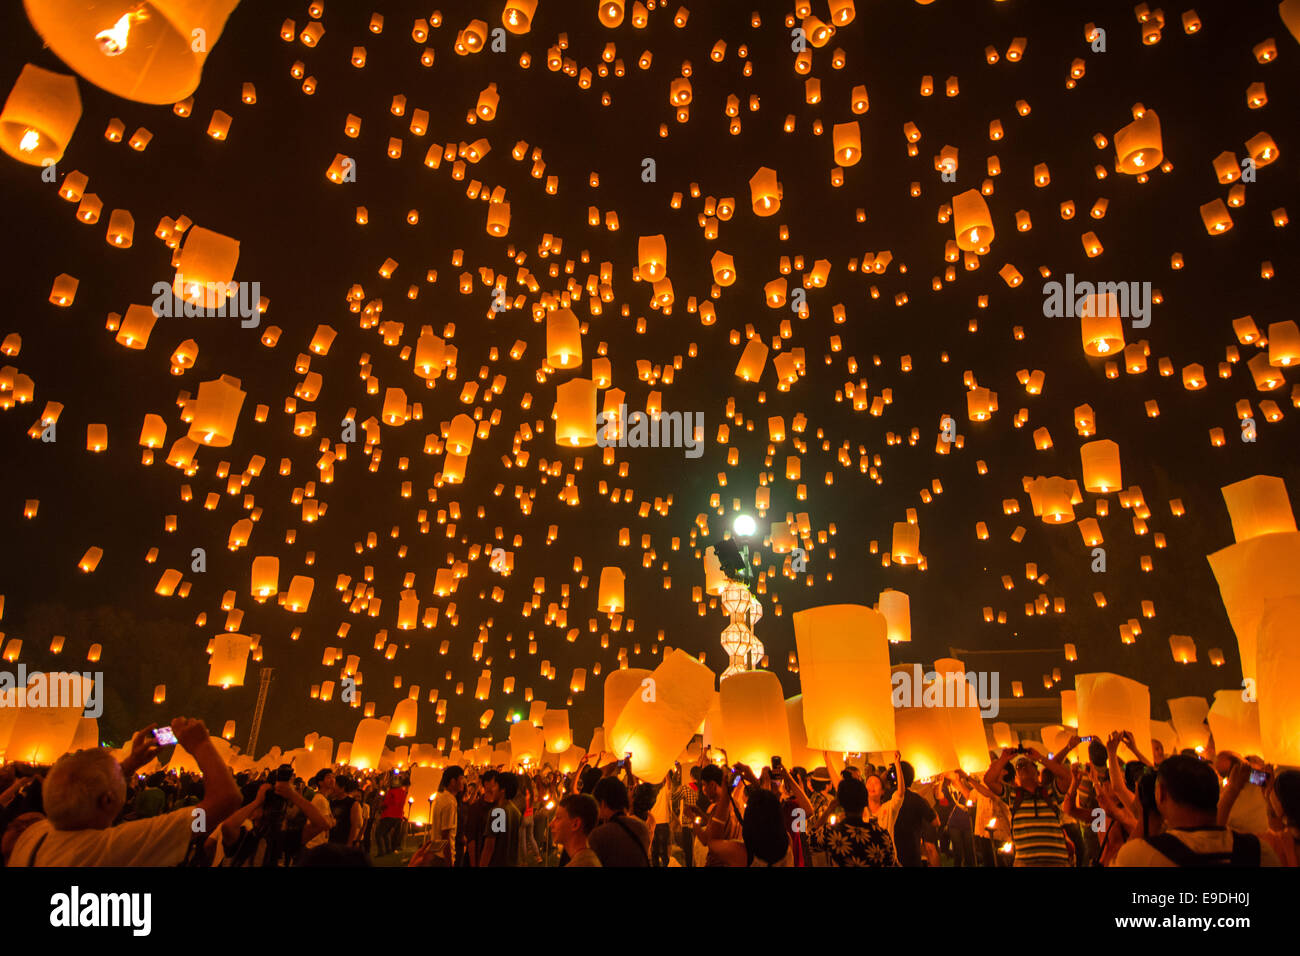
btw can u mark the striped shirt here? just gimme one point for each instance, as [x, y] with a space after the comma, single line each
[1036, 826]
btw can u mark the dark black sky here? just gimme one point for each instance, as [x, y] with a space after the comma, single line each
[266, 187]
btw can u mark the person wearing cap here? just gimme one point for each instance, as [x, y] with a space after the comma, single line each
[1037, 835]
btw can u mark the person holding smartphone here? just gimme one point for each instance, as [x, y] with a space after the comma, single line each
[85, 791]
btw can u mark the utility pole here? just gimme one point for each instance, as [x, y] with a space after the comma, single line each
[263, 688]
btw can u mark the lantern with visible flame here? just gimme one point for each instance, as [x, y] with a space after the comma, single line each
[150, 52]
[39, 117]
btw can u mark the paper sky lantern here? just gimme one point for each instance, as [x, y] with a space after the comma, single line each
[906, 547]
[206, 267]
[1258, 505]
[563, 339]
[405, 719]
[216, 411]
[800, 754]
[923, 737]
[971, 222]
[1235, 724]
[656, 730]
[1101, 325]
[421, 793]
[43, 733]
[555, 729]
[151, 52]
[652, 257]
[1277, 686]
[752, 360]
[620, 685]
[754, 718]
[1109, 702]
[229, 660]
[575, 413]
[1187, 714]
[846, 139]
[1101, 466]
[1138, 147]
[896, 608]
[527, 743]
[844, 672]
[765, 192]
[1250, 573]
[266, 577]
[962, 709]
[39, 117]
[367, 744]
[298, 596]
[610, 594]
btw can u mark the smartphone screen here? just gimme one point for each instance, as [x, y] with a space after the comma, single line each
[164, 736]
[1258, 777]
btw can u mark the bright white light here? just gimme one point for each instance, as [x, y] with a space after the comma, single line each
[31, 139]
[744, 526]
[112, 42]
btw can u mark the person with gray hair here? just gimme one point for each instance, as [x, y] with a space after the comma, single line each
[85, 791]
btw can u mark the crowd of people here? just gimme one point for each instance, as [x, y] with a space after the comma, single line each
[1084, 806]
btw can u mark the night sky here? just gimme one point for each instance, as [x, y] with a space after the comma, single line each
[266, 187]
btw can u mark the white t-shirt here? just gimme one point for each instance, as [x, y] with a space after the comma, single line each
[444, 818]
[1250, 812]
[323, 805]
[1141, 853]
[154, 841]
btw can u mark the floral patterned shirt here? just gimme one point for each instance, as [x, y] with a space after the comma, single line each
[856, 843]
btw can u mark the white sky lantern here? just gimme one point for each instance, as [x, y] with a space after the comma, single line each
[39, 117]
[265, 576]
[1258, 505]
[1278, 682]
[1187, 715]
[923, 737]
[148, 52]
[229, 660]
[421, 793]
[657, 723]
[1251, 573]
[610, 594]
[206, 267]
[620, 685]
[563, 339]
[555, 729]
[801, 755]
[216, 412]
[1138, 146]
[575, 413]
[1101, 466]
[845, 675]
[367, 744]
[42, 733]
[527, 743]
[971, 222]
[754, 719]
[962, 708]
[405, 719]
[897, 610]
[1235, 724]
[1109, 702]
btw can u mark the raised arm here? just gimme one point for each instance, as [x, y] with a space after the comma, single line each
[993, 776]
[220, 794]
